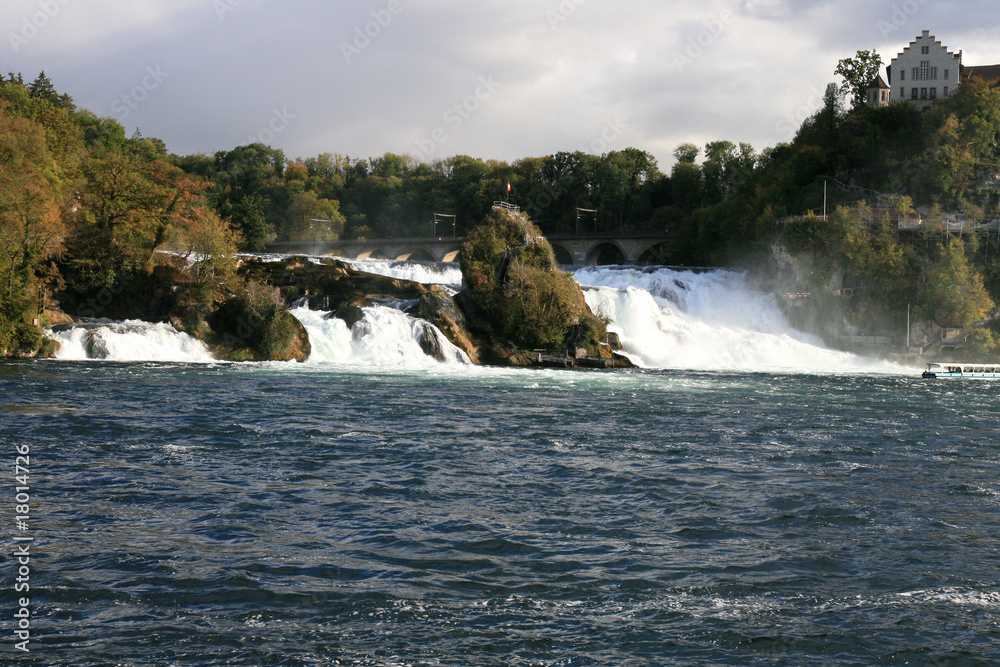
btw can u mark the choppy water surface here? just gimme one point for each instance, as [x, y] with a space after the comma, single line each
[321, 515]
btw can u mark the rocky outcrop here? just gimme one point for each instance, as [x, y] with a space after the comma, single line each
[440, 309]
[334, 286]
[255, 325]
[330, 285]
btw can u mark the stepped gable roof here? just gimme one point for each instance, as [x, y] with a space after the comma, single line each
[878, 82]
[986, 72]
[937, 42]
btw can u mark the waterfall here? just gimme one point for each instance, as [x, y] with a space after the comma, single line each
[665, 318]
[446, 274]
[383, 337]
[131, 340]
[706, 321]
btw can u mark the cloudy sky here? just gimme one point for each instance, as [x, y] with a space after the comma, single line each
[436, 78]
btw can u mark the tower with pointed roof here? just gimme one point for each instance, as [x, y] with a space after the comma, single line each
[878, 93]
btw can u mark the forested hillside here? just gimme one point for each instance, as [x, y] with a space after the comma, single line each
[85, 208]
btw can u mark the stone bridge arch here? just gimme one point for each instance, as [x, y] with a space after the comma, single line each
[369, 253]
[563, 254]
[607, 252]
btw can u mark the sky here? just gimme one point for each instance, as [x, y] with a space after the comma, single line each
[438, 78]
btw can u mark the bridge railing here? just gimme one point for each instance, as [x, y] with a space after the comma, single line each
[506, 205]
[566, 236]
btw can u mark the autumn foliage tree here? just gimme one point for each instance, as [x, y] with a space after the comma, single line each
[31, 229]
[955, 295]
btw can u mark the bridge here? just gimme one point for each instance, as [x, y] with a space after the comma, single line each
[580, 249]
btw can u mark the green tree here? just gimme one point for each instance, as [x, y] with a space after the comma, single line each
[687, 153]
[858, 73]
[249, 216]
[310, 218]
[247, 178]
[122, 214]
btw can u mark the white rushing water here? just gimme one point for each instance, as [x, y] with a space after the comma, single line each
[706, 321]
[383, 337]
[665, 319]
[447, 274]
[131, 340]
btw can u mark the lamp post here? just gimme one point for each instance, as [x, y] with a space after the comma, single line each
[445, 215]
[585, 210]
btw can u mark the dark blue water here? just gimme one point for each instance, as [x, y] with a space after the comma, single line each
[296, 515]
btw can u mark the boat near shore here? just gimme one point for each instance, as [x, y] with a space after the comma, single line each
[962, 370]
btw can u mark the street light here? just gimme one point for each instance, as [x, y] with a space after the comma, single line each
[585, 210]
[444, 215]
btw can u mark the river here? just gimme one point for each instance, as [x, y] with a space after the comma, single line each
[746, 497]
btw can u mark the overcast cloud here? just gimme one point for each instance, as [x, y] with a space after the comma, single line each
[500, 80]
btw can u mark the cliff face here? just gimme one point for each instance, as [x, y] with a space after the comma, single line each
[844, 317]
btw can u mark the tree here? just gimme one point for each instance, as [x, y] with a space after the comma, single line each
[245, 177]
[30, 226]
[207, 241]
[687, 153]
[687, 186]
[42, 88]
[955, 295]
[249, 217]
[858, 72]
[123, 214]
[310, 218]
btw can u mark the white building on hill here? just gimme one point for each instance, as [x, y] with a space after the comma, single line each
[924, 71]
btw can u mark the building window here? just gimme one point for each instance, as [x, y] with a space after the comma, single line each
[925, 50]
[946, 75]
[883, 93]
[913, 93]
[933, 93]
[925, 71]
[946, 91]
[902, 74]
[902, 93]
[923, 93]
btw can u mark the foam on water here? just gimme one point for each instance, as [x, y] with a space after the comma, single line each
[665, 319]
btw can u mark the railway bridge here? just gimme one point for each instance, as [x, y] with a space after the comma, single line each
[578, 249]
